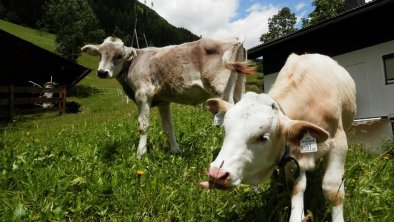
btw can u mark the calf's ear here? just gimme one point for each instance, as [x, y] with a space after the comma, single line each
[217, 105]
[92, 50]
[131, 53]
[294, 131]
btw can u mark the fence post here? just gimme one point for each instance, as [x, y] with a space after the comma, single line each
[11, 100]
[62, 102]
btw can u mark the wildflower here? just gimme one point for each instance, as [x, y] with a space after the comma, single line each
[36, 140]
[139, 173]
[386, 158]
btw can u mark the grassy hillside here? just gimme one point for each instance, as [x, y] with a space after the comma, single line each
[44, 40]
[82, 167]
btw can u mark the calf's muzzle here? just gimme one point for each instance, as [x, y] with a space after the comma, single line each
[218, 178]
[102, 74]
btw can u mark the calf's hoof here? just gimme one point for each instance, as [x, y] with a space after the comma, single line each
[175, 151]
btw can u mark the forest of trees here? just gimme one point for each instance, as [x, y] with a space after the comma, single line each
[118, 17]
[76, 22]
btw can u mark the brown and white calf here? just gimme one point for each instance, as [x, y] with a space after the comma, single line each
[309, 107]
[189, 73]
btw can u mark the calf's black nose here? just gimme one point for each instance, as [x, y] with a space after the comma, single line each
[102, 74]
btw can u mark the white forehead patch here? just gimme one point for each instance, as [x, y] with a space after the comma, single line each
[254, 113]
[114, 40]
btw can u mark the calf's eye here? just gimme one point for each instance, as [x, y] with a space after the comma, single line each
[118, 57]
[262, 138]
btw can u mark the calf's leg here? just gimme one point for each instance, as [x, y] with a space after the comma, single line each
[166, 121]
[236, 53]
[239, 88]
[333, 184]
[143, 104]
[228, 94]
[297, 198]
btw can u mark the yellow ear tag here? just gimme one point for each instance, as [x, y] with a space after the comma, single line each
[308, 144]
[218, 119]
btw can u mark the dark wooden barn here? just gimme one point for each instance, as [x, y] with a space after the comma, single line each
[32, 79]
[22, 61]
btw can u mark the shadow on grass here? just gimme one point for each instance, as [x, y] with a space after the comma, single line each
[83, 91]
[109, 151]
[275, 203]
[71, 107]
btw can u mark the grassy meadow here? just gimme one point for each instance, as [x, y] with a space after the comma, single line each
[82, 166]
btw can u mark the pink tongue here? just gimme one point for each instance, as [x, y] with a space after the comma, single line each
[205, 185]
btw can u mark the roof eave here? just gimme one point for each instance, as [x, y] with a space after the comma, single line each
[258, 50]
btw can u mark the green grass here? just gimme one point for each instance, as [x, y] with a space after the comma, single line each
[82, 167]
[42, 39]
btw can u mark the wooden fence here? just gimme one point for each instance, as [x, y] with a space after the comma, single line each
[25, 96]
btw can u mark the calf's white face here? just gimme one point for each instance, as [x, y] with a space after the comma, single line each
[113, 54]
[255, 132]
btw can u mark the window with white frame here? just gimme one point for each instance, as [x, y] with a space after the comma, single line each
[388, 62]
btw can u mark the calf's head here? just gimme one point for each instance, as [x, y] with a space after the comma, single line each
[255, 132]
[113, 54]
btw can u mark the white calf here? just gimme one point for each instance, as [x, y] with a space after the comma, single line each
[309, 107]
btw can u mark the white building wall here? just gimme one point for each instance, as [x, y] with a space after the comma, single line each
[375, 98]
